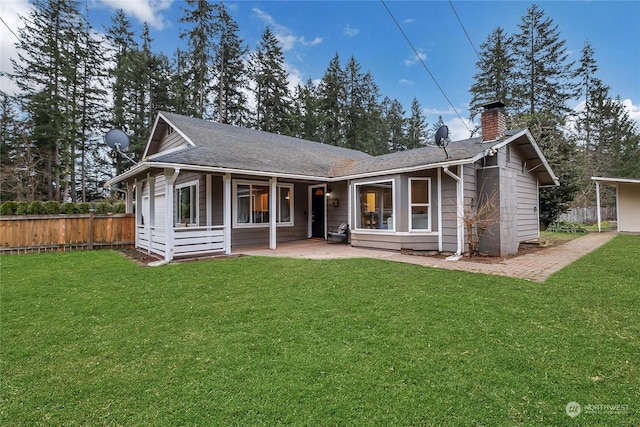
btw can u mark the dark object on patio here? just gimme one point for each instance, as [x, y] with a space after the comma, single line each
[342, 233]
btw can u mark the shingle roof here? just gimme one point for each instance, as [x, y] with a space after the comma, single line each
[225, 146]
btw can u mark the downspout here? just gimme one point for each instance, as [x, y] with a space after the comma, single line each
[459, 212]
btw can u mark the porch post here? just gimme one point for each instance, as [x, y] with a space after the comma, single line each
[129, 199]
[598, 205]
[170, 177]
[226, 206]
[138, 186]
[439, 209]
[272, 211]
[151, 221]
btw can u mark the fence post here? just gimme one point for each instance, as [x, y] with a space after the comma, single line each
[90, 237]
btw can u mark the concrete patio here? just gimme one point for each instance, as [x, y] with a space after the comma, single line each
[536, 266]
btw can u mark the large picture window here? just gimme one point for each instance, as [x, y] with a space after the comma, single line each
[252, 203]
[419, 206]
[186, 204]
[374, 206]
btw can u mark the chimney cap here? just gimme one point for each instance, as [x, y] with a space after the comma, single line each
[493, 104]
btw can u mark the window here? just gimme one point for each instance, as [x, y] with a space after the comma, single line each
[419, 206]
[252, 203]
[375, 208]
[186, 204]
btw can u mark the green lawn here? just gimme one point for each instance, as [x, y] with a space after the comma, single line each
[89, 338]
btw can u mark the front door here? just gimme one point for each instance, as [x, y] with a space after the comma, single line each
[317, 212]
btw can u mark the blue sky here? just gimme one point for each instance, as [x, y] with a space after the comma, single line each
[312, 32]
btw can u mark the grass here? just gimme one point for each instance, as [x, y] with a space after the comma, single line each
[551, 238]
[89, 338]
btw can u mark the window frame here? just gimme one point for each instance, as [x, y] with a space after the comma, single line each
[194, 204]
[356, 195]
[411, 204]
[251, 184]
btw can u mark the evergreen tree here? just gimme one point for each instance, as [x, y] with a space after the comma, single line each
[47, 48]
[543, 74]
[417, 134]
[494, 80]
[332, 98]
[270, 85]
[230, 102]
[396, 124]
[199, 59]
[305, 119]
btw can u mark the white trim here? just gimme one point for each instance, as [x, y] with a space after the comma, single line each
[310, 209]
[428, 205]
[196, 203]
[612, 181]
[376, 232]
[356, 204]
[267, 184]
[169, 181]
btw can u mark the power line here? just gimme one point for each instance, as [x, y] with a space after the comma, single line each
[9, 28]
[425, 65]
[465, 30]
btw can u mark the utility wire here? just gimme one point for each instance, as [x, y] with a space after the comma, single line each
[9, 28]
[425, 65]
[465, 31]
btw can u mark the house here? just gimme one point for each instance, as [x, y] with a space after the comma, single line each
[627, 202]
[205, 188]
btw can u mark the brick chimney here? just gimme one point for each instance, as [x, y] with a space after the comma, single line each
[493, 121]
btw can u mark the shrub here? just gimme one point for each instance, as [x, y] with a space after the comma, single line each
[119, 208]
[22, 208]
[83, 207]
[52, 207]
[68, 208]
[36, 208]
[8, 208]
[565, 227]
[104, 207]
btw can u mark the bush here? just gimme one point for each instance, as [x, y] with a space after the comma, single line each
[36, 208]
[119, 208]
[8, 208]
[83, 208]
[52, 208]
[104, 207]
[22, 208]
[68, 208]
[565, 227]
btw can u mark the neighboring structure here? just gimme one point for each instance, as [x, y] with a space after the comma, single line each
[627, 202]
[205, 188]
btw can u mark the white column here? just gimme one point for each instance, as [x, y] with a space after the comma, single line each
[170, 177]
[273, 198]
[151, 221]
[129, 198]
[226, 206]
[598, 205]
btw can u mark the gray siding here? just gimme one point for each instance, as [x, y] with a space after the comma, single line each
[171, 141]
[337, 215]
[449, 213]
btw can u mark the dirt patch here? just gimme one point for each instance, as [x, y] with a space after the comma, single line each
[138, 257]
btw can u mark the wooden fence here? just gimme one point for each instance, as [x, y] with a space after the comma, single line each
[589, 215]
[38, 233]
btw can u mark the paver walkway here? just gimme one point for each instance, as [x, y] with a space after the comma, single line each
[537, 266]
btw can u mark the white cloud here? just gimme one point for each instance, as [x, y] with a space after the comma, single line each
[149, 11]
[633, 110]
[408, 21]
[411, 60]
[350, 32]
[10, 11]
[287, 38]
[406, 82]
[459, 129]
